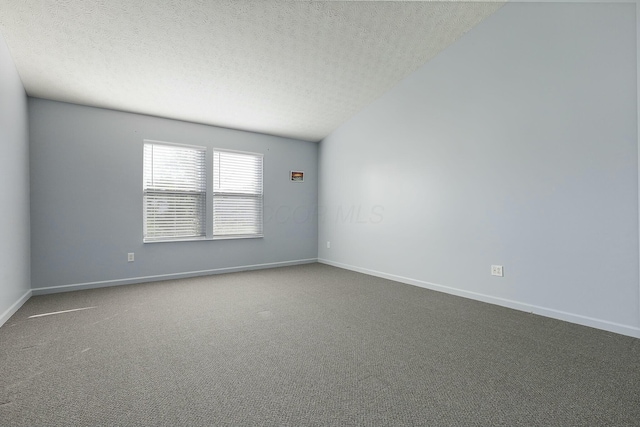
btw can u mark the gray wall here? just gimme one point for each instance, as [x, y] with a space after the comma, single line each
[516, 146]
[86, 204]
[14, 188]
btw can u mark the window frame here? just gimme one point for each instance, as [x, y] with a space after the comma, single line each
[257, 196]
[208, 196]
[145, 192]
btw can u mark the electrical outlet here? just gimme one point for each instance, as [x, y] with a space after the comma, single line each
[328, 245]
[130, 257]
[496, 270]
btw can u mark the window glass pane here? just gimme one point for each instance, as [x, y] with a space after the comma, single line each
[237, 215]
[237, 173]
[174, 215]
[170, 167]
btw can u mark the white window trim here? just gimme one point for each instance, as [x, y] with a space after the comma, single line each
[176, 144]
[206, 193]
[208, 199]
[261, 197]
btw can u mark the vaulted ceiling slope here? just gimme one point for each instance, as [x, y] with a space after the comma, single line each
[295, 69]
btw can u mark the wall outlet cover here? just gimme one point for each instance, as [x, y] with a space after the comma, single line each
[497, 270]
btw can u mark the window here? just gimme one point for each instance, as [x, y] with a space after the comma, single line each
[175, 191]
[237, 194]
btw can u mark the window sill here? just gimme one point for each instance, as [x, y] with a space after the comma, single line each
[202, 239]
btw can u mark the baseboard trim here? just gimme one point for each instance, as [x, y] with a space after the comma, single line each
[157, 277]
[529, 308]
[15, 307]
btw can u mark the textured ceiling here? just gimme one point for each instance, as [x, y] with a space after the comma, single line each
[296, 69]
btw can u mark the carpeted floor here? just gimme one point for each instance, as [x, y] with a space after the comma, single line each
[306, 345]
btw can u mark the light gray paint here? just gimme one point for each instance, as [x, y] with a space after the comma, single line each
[637, 5]
[14, 186]
[516, 146]
[86, 203]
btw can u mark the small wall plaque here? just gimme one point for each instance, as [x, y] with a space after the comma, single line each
[297, 176]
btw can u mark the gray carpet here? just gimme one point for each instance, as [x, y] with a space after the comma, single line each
[306, 345]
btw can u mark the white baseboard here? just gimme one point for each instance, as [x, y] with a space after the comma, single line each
[618, 328]
[15, 307]
[132, 280]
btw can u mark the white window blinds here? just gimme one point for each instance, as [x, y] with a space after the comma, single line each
[175, 189]
[237, 194]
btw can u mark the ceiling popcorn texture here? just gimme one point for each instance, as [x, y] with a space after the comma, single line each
[295, 69]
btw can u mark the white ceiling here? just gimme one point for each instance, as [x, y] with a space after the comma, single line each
[296, 69]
